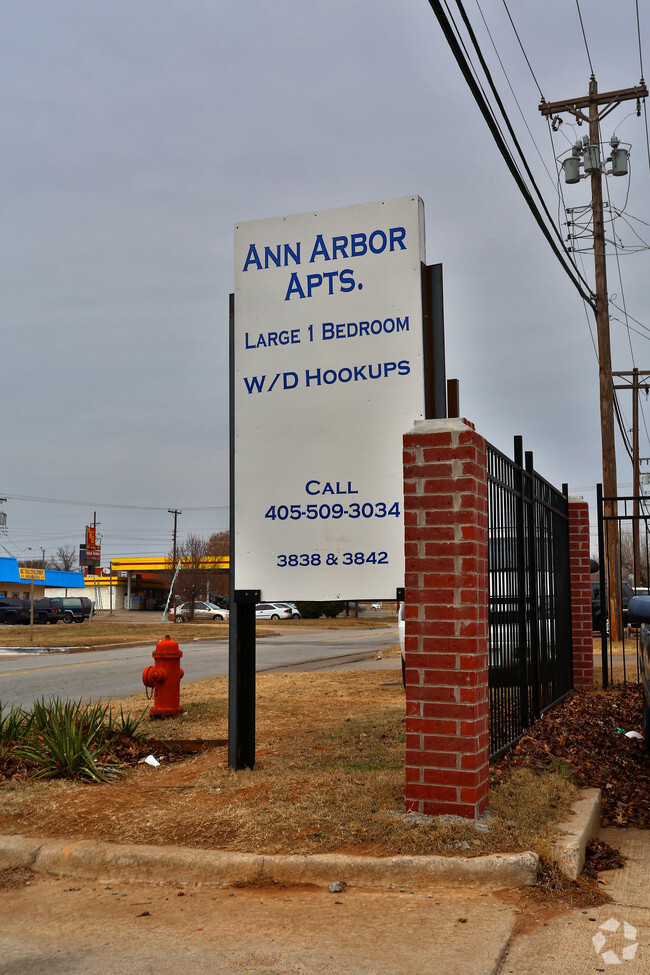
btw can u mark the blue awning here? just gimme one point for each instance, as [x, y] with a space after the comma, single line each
[54, 578]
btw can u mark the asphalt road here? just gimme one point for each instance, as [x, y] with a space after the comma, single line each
[110, 674]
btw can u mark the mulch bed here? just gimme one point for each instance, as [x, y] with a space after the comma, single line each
[124, 752]
[584, 737]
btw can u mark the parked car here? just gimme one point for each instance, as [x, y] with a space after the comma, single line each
[202, 611]
[14, 610]
[272, 611]
[295, 612]
[76, 609]
[48, 610]
[639, 612]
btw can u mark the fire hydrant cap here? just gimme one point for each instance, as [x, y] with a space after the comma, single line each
[167, 648]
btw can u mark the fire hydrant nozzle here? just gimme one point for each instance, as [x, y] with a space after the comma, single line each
[165, 679]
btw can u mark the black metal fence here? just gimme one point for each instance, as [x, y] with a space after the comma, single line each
[623, 530]
[530, 651]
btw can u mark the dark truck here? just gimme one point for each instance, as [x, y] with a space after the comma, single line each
[639, 612]
[14, 610]
[48, 610]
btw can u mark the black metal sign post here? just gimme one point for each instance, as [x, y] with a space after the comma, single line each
[241, 679]
[433, 342]
[241, 648]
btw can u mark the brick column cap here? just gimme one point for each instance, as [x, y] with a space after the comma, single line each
[444, 425]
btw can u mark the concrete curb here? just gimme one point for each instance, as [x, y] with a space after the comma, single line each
[570, 850]
[182, 866]
[91, 860]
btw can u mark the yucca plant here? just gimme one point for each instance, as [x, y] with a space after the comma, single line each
[14, 726]
[126, 725]
[68, 738]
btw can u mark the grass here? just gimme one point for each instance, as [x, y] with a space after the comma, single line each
[329, 776]
[102, 631]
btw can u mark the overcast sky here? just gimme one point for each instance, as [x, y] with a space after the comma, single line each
[135, 133]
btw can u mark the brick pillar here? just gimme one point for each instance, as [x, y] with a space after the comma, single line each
[581, 625]
[446, 619]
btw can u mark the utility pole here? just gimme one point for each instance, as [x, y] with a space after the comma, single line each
[637, 381]
[175, 512]
[597, 107]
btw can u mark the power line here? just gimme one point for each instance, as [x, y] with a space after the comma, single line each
[502, 109]
[98, 504]
[620, 278]
[621, 426]
[541, 95]
[559, 251]
[623, 312]
[638, 34]
[512, 91]
[584, 37]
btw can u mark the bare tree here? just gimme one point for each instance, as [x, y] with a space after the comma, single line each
[193, 576]
[65, 559]
[627, 559]
[219, 544]
[219, 548]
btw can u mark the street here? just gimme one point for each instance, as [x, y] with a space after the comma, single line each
[110, 674]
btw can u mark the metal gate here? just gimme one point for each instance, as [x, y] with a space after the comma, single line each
[623, 529]
[530, 650]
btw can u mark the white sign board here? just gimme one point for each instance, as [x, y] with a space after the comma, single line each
[328, 374]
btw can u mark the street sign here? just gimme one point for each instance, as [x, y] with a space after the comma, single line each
[29, 573]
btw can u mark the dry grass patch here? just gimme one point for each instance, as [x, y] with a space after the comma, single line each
[329, 776]
[103, 631]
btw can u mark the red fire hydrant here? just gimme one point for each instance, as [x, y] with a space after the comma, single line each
[165, 679]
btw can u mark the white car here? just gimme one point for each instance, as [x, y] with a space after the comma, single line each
[202, 611]
[273, 611]
[295, 612]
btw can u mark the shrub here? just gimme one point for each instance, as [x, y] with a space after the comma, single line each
[313, 611]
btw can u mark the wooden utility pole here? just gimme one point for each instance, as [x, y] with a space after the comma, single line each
[636, 380]
[597, 107]
[175, 512]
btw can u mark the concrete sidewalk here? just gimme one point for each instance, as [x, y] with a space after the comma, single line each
[57, 928]
[598, 939]
[65, 926]
[158, 908]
